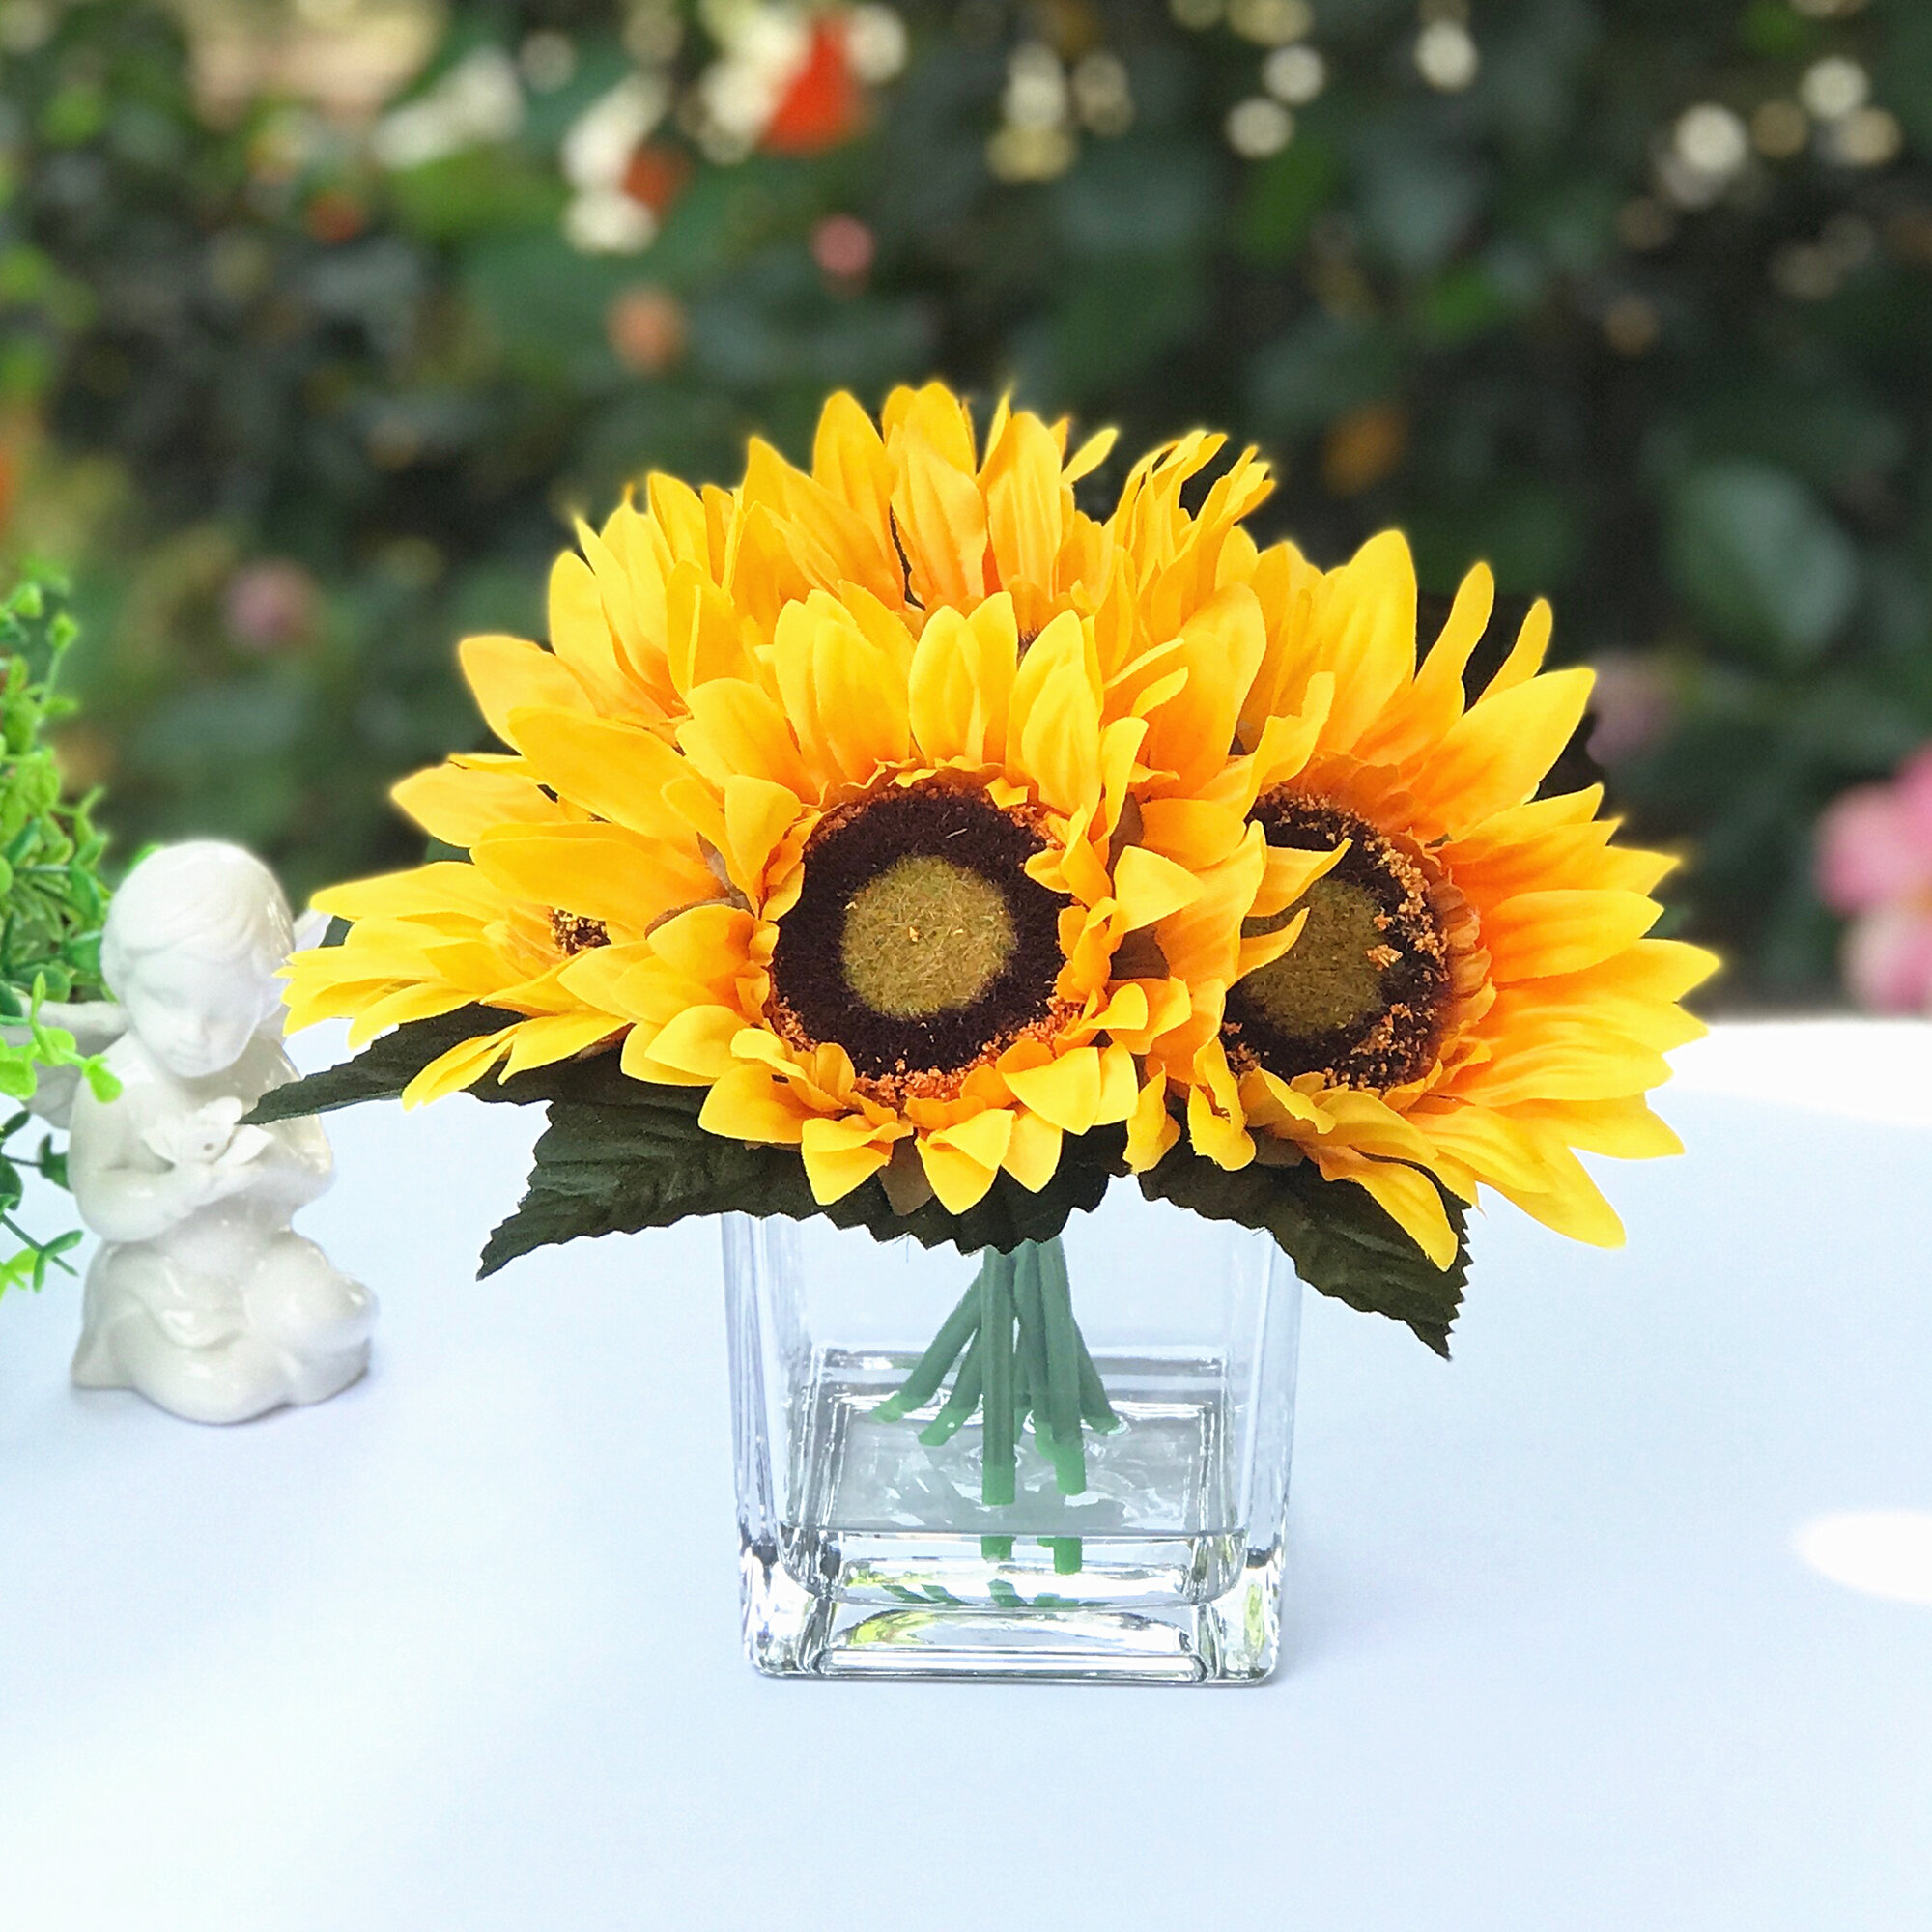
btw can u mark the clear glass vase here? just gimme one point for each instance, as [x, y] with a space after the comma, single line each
[869, 1547]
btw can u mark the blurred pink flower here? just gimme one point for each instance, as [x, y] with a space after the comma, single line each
[1889, 959]
[842, 246]
[1875, 866]
[1632, 704]
[271, 604]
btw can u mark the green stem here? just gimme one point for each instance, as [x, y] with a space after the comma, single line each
[930, 1371]
[1032, 1336]
[1023, 1352]
[27, 1240]
[1095, 1407]
[964, 1398]
[1023, 1390]
[996, 1423]
[1063, 1368]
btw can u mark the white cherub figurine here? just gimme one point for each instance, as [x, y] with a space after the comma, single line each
[201, 1297]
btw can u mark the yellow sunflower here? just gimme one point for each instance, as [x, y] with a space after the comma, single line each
[684, 587]
[680, 586]
[910, 964]
[869, 898]
[911, 510]
[862, 630]
[1438, 976]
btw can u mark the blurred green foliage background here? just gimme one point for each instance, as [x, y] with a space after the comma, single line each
[317, 322]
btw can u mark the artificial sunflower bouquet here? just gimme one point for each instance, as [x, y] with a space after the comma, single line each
[894, 841]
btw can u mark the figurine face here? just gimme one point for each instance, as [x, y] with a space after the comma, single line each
[196, 1015]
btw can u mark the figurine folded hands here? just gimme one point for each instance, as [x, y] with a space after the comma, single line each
[201, 1297]
[212, 1136]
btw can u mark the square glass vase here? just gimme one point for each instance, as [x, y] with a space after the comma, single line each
[867, 1550]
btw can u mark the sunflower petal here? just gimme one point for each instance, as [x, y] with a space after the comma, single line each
[1091, 454]
[463, 1065]
[552, 1037]
[581, 635]
[1497, 754]
[1368, 634]
[1026, 514]
[985, 1135]
[1151, 887]
[833, 1170]
[457, 806]
[617, 771]
[1033, 1153]
[699, 1042]
[402, 1004]
[1409, 1198]
[1575, 1208]
[1224, 1140]
[942, 520]
[444, 886]
[751, 1103]
[1537, 934]
[1151, 1130]
[735, 728]
[961, 683]
[1053, 736]
[507, 673]
[958, 1180]
[1065, 1091]
[597, 871]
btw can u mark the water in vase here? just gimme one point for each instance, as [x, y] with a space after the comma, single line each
[886, 1519]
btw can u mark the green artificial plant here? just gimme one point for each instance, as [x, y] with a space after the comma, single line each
[53, 903]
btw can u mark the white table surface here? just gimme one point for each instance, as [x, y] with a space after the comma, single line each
[460, 1648]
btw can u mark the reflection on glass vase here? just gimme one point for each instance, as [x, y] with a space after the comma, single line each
[1069, 1461]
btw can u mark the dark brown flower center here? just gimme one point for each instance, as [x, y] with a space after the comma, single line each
[918, 941]
[573, 933]
[1361, 995]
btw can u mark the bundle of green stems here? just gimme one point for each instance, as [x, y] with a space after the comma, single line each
[1020, 1354]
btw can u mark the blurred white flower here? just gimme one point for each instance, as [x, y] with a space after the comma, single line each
[1258, 126]
[1712, 140]
[601, 139]
[1104, 93]
[1835, 87]
[1446, 56]
[606, 221]
[1271, 22]
[1036, 94]
[479, 101]
[1867, 138]
[1294, 75]
[875, 44]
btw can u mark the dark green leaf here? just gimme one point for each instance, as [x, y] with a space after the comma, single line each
[602, 1169]
[637, 1160]
[621, 1154]
[381, 1070]
[1340, 1242]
